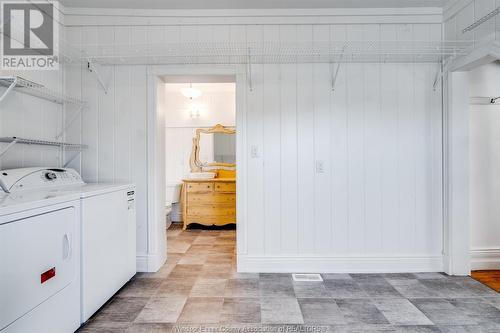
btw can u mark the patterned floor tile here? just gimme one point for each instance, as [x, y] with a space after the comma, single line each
[202, 310]
[241, 310]
[208, 288]
[401, 312]
[361, 311]
[442, 312]
[161, 310]
[281, 310]
[321, 311]
[344, 288]
[199, 287]
[242, 288]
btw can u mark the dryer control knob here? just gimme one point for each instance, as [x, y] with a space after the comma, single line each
[50, 176]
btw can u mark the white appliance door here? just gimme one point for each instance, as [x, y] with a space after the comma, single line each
[37, 260]
[106, 264]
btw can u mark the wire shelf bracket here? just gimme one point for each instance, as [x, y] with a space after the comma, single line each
[9, 89]
[336, 73]
[9, 146]
[494, 100]
[70, 122]
[482, 20]
[68, 162]
[438, 77]
[249, 69]
[94, 69]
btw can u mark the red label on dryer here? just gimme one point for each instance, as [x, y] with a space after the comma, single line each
[45, 276]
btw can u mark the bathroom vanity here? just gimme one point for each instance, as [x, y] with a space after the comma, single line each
[209, 192]
[209, 202]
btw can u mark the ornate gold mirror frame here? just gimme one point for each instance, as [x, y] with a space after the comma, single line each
[194, 161]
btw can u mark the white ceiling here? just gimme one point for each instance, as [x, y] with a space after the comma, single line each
[251, 4]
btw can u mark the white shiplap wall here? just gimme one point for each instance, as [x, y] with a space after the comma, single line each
[376, 206]
[31, 117]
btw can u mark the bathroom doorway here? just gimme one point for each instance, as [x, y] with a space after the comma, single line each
[200, 173]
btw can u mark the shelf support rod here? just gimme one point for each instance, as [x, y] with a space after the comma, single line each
[93, 69]
[336, 73]
[71, 159]
[69, 123]
[9, 146]
[249, 70]
[9, 89]
[438, 77]
[482, 20]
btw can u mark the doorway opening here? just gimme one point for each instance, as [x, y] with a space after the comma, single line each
[200, 173]
[484, 138]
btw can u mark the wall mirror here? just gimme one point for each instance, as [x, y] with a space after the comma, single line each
[214, 148]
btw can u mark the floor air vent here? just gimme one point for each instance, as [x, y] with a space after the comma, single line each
[307, 277]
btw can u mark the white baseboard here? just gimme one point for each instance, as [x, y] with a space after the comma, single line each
[316, 264]
[483, 259]
[150, 263]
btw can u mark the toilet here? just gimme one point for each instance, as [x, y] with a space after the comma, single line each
[173, 205]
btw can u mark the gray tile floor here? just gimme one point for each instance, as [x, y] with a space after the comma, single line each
[199, 290]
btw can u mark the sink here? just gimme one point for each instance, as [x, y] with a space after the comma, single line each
[202, 175]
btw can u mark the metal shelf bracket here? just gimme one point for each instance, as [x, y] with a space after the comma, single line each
[493, 100]
[65, 165]
[9, 146]
[9, 89]
[482, 20]
[438, 77]
[249, 69]
[70, 122]
[93, 68]
[336, 73]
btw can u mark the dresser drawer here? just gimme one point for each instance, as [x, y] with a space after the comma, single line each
[211, 210]
[199, 187]
[225, 187]
[211, 198]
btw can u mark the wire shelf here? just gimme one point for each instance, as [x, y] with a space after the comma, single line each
[35, 89]
[277, 52]
[69, 146]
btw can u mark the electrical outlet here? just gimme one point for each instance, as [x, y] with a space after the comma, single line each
[320, 167]
[254, 151]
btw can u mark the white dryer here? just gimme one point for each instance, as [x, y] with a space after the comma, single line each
[108, 239]
[39, 253]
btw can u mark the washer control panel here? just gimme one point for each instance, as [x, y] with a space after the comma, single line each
[37, 178]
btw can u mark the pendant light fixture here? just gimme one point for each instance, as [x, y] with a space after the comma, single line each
[191, 92]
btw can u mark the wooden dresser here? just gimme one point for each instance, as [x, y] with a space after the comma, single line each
[209, 201]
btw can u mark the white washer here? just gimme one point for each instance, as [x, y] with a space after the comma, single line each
[39, 253]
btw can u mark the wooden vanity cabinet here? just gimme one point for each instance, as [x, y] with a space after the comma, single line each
[209, 201]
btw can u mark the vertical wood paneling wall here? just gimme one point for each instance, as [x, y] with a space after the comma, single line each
[35, 118]
[348, 179]
[31, 117]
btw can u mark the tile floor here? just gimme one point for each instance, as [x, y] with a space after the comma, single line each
[199, 290]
